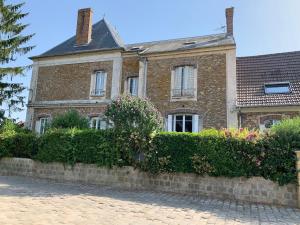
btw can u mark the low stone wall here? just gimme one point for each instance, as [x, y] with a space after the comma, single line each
[255, 189]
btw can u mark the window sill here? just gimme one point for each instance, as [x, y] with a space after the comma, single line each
[183, 98]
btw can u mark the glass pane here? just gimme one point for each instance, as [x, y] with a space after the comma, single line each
[188, 125]
[179, 126]
[179, 123]
[277, 88]
[189, 118]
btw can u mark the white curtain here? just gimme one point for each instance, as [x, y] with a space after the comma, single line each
[100, 80]
[188, 77]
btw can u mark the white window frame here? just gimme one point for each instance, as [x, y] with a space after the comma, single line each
[184, 97]
[40, 125]
[93, 90]
[196, 122]
[99, 120]
[129, 79]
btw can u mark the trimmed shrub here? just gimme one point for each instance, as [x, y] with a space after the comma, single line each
[16, 141]
[209, 152]
[72, 146]
[70, 119]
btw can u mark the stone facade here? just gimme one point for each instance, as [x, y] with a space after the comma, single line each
[130, 68]
[256, 189]
[252, 120]
[211, 87]
[70, 81]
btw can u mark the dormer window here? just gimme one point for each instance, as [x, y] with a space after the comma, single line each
[277, 88]
[136, 48]
[189, 43]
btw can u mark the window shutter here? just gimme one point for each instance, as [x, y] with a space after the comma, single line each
[37, 126]
[177, 79]
[195, 127]
[93, 83]
[169, 123]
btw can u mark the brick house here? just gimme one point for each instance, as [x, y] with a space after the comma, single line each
[195, 82]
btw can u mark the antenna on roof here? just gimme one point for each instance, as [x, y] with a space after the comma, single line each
[103, 16]
[221, 28]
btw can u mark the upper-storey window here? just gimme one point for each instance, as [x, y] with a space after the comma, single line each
[132, 86]
[98, 83]
[184, 83]
[277, 88]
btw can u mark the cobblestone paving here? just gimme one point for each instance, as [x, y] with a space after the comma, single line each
[34, 201]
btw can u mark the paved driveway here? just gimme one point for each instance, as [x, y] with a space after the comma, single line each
[34, 201]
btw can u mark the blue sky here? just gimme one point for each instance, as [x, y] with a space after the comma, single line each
[260, 26]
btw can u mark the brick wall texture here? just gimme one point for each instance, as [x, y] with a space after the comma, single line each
[254, 189]
[70, 81]
[211, 87]
[253, 119]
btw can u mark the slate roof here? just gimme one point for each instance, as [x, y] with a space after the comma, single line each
[104, 37]
[254, 71]
[213, 40]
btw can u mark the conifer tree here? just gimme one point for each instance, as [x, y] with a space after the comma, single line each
[12, 44]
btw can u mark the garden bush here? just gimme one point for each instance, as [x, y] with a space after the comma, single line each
[135, 121]
[213, 152]
[72, 146]
[16, 141]
[70, 119]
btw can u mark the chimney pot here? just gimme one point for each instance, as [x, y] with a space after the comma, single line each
[84, 26]
[229, 20]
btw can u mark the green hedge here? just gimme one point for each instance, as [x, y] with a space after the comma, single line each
[219, 155]
[216, 153]
[77, 146]
[23, 145]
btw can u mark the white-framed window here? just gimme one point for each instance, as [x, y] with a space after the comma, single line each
[183, 82]
[132, 86]
[184, 123]
[267, 124]
[99, 123]
[41, 125]
[98, 83]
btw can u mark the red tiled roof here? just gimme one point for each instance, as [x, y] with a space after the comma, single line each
[254, 71]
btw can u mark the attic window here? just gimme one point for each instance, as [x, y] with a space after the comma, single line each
[277, 88]
[189, 43]
[136, 48]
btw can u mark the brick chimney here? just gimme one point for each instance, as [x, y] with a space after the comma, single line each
[229, 20]
[84, 26]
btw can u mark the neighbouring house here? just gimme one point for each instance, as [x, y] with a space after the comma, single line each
[195, 82]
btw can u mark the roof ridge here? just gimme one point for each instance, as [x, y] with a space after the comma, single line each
[114, 33]
[176, 39]
[270, 54]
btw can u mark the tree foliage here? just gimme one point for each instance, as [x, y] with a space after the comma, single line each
[12, 44]
[135, 120]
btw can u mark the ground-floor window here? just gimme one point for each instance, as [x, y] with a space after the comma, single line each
[41, 125]
[267, 124]
[99, 123]
[183, 123]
